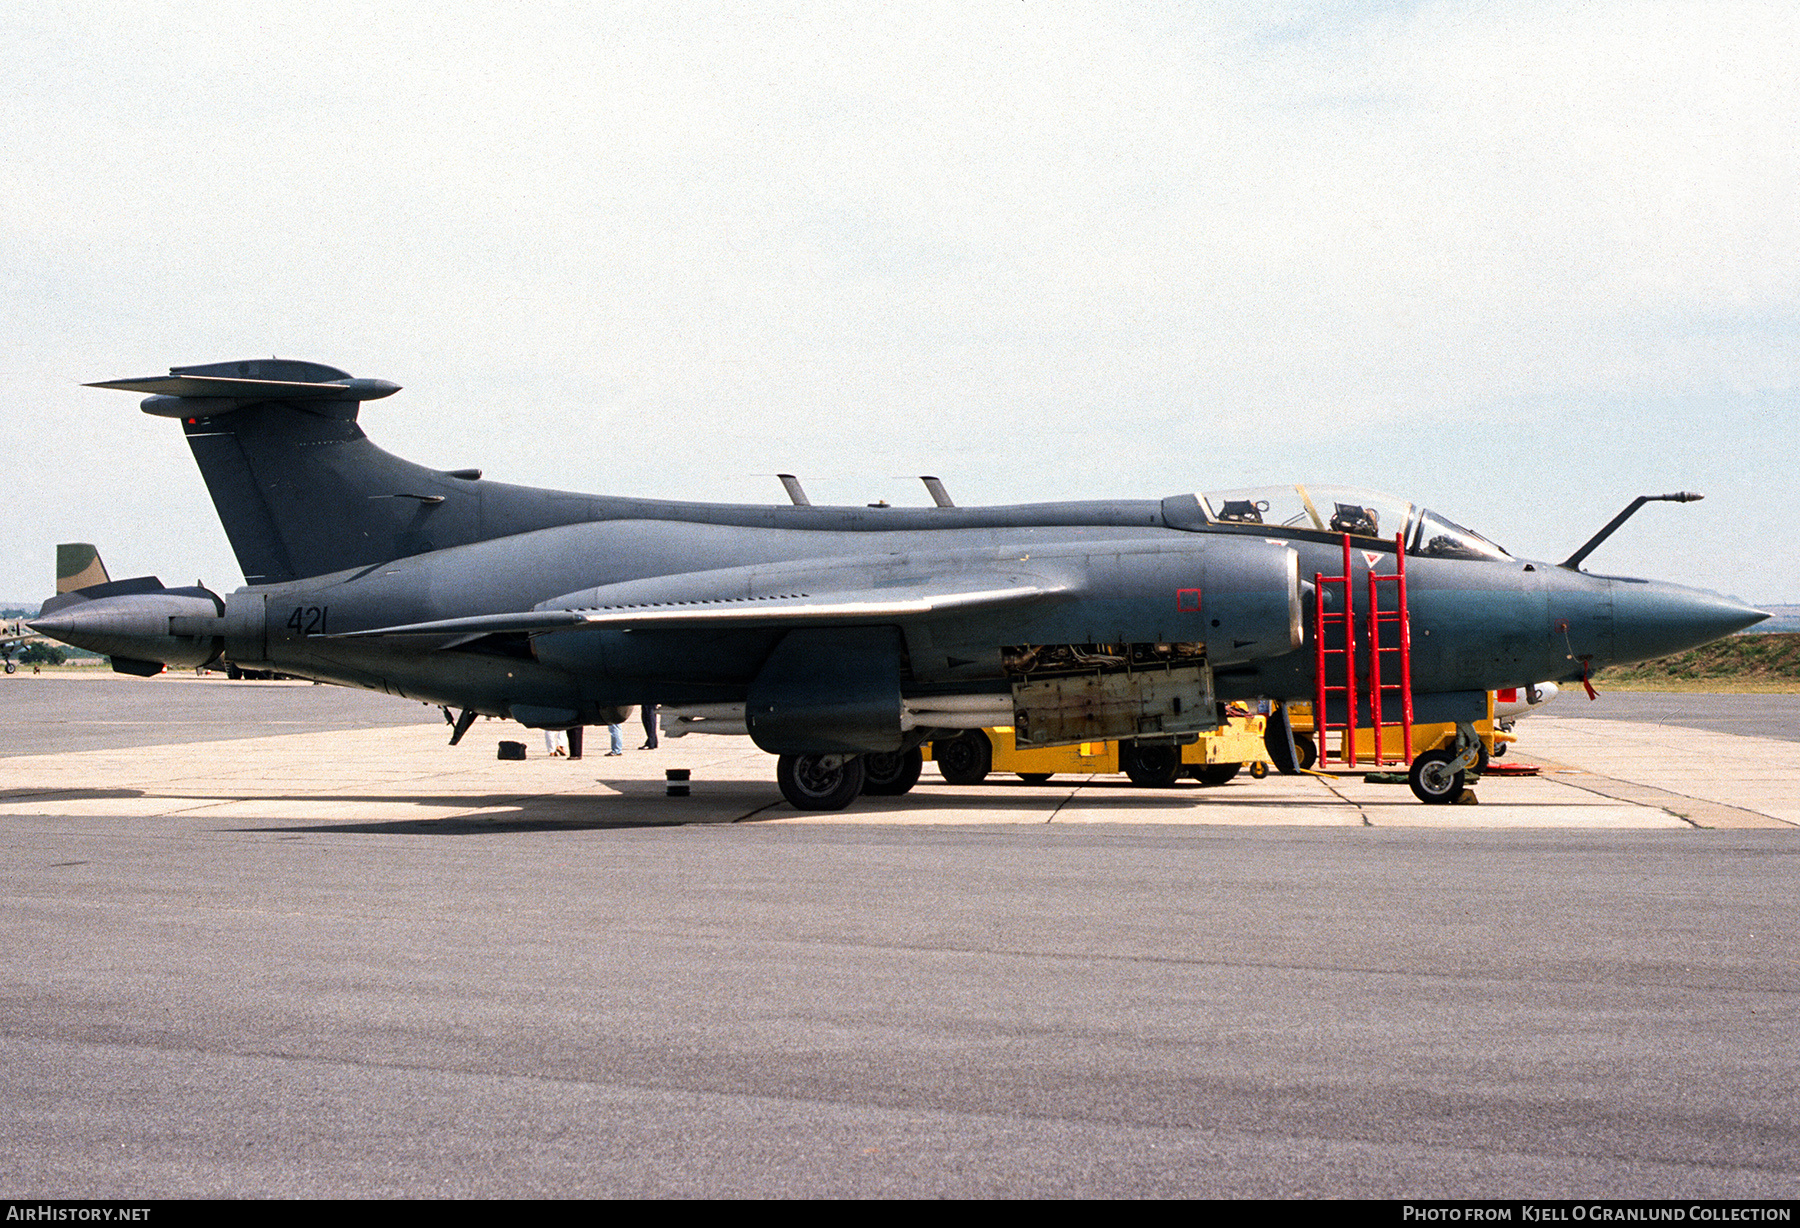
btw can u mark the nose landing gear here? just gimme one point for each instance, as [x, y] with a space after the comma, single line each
[1437, 777]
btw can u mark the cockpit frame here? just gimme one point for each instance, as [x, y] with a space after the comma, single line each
[1326, 513]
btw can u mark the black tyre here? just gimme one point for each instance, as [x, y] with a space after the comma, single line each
[1036, 778]
[1258, 770]
[1309, 750]
[1151, 767]
[819, 782]
[1275, 742]
[1432, 780]
[965, 759]
[889, 775]
[1216, 773]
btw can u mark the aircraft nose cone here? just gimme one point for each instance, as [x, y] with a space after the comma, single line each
[56, 626]
[136, 626]
[85, 626]
[1655, 620]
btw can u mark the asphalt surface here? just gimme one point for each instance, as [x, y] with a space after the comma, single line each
[1763, 716]
[200, 1003]
[42, 715]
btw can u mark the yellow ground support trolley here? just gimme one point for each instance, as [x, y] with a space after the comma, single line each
[1212, 759]
[1425, 737]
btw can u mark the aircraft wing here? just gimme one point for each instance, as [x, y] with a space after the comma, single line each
[798, 609]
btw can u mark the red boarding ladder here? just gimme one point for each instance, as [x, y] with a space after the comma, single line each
[1401, 621]
[1345, 654]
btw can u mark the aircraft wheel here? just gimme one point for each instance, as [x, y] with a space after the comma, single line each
[1481, 759]
[1216, 773]
[1432, 780]
[1500, 748]
[1276, 744]
[819, 782]
[11, 667]
[1036, 778]
[886, 775]
[1309, 750]
[965, 759]
[1151, 767]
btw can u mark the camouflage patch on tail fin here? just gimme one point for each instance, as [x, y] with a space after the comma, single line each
[78, 565]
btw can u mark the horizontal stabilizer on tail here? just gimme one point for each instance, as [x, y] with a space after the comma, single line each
[220, 387]
[254, 389]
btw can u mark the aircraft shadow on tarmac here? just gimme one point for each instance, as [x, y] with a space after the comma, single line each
[576, 810]
[22, 796]
[556, 811]
[465, 825]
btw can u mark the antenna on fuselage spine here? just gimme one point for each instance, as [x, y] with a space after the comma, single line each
[794, 491]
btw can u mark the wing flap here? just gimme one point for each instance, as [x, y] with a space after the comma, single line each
[791, 610]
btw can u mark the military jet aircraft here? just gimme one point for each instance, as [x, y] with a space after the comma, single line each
[9, 644]
[839, 638]
[13, 637]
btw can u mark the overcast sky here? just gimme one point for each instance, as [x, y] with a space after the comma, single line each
[1518, 262]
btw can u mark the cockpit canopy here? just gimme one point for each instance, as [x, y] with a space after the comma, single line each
[1337, 510]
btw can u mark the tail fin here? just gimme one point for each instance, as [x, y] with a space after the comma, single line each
[78, 565]
[300, 489]
[81, 577]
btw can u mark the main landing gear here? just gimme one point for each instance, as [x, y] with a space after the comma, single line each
[889, 775]
[832, 782]
[820, 782]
